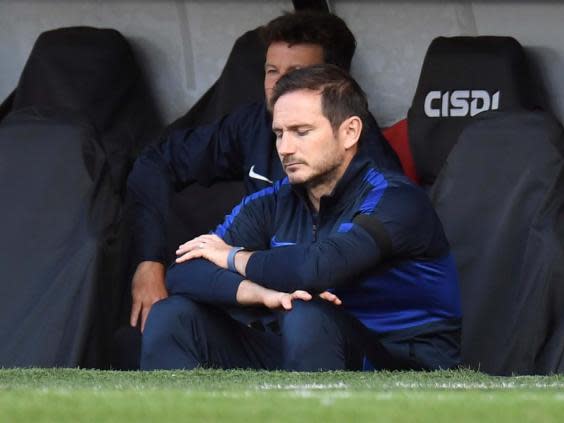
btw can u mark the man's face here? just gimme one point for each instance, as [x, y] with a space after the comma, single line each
[310, 152]
[282, 58]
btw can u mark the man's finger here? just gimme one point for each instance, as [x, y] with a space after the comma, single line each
[188, 246]
[134, 317]
[144, 314]
[190, 255]
[286, 302]
[336, 300]
[330, 297]
[327, 296]
[301, 295]
[181, 249]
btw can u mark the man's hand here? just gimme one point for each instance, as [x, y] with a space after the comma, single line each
[250, 293]
[148, 287]
[332, 298]
[275, 300]
[209, 247]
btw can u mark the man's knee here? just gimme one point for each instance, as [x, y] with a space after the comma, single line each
[306, 314]
[169, 320]
[166, 316]
[307, 330]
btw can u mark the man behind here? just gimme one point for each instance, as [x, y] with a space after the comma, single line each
[338, 226]
[239, 146]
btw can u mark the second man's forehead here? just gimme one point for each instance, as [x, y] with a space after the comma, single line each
[296, 54]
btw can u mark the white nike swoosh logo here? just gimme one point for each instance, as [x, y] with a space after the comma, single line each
[255, 175]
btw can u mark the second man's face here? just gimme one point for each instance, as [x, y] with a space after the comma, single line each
[282, 58]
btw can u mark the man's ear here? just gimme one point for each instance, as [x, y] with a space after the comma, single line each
[350, 131]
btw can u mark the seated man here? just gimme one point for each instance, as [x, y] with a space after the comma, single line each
[239, 146]
[365, 239]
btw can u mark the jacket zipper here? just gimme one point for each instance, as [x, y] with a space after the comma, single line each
[315, 220]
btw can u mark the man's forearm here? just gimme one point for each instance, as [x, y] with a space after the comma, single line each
[314, 267]
[249, 293]
[203, 281]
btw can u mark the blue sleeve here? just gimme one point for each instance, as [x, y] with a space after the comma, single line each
[204, 154]
[204, 282]
[250, 222]
[401, 225]
[316, 267]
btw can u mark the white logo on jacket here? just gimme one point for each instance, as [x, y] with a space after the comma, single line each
[254, 175]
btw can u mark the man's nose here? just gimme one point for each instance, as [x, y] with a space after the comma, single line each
[285, 145]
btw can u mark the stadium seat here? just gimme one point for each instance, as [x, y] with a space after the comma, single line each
[461, 78]
[492, 159]
[68, 135]
[501, 202]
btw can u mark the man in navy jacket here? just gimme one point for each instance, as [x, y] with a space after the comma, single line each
[239, 146]
[354, 256]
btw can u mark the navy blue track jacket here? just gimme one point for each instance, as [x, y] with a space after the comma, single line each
[376, 242]
[239, 146]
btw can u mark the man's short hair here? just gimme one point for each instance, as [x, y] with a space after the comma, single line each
[341, 96]
[324, 29]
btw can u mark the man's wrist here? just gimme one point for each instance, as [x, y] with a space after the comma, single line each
[249, 293]
[151, 263]
[231, 258]
[152, 268]
[240, 261]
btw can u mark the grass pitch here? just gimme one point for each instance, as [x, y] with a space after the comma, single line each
[72, 395]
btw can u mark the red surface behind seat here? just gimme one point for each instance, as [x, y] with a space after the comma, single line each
[398, 138]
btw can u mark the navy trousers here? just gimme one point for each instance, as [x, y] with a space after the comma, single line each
[314, 335]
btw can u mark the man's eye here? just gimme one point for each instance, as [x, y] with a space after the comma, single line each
[302, 132]
[271, 71]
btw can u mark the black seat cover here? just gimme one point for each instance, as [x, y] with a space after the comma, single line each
[240, 82]
[93, 72]
[460, 78]
[501, 201]
[75, 121]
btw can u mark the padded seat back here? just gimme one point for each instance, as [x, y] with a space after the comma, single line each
[92, 72]
[500, 197]
[51, 183]
[461, 78]
[67, 139]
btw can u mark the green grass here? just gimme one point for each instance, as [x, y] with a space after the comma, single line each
[71, 395]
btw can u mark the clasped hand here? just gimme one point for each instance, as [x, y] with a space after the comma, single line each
[209, 247]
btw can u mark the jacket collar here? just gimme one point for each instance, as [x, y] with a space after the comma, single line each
[345, 188]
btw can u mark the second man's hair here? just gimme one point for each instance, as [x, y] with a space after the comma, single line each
[324, 29]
